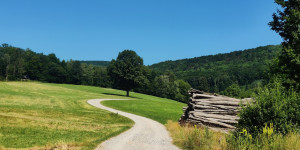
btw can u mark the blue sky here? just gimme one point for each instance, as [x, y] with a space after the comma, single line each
[157, 30]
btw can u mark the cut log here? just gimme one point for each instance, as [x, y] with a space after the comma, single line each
[244, 102]
[204, 107]
[199, 105]
[202, 96]
[213, 122]
[232, 122]
[227, 107]
[225, 117]
[184, 109]
[226, 103]
[212, 110]
[218, 99]
[219, 112]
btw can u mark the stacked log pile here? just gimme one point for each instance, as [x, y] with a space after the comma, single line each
[218, 112]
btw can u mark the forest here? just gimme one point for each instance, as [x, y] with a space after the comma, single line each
[18, 64]
[96, 63]
[233, 74]
[240, 70]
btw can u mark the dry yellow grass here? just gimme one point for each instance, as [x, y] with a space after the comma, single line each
[198, 138]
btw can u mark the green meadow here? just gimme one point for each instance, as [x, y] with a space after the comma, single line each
[47, 116]
[152, 107]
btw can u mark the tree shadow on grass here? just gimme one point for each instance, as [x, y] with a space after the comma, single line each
[119, 95]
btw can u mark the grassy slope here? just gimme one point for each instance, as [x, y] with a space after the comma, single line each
[158, 109]
[43, 115]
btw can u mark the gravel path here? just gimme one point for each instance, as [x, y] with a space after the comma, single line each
[146, 134]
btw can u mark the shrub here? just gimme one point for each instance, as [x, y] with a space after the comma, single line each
[196, 138]
[273, 104]
[201, 138]
[267, 140]
[233, 90]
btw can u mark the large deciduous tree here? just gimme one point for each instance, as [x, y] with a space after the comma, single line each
[286, 23]
[127, 71]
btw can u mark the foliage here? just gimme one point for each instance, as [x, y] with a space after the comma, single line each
[233, 90]
[181, 91]
[168, 86]
[126, 72]
[215, 73]
[209, 73]
[266, 140]
[286, 22]
[273, 104]
[96, 63]
[19, 64]
[199, 138]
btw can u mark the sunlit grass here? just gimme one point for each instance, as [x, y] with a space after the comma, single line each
[197, 138]
[44, 116]
[152, 107]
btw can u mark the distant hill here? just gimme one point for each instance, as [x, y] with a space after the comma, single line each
[214, 73]
[97, 63]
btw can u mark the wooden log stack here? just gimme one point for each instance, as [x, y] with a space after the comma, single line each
[216, 112]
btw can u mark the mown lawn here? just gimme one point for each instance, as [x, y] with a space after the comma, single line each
[152, 107]
[47, 116]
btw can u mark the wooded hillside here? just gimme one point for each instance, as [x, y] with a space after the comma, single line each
[214, 73]
[96, 63]
[222, 73]
[20, 64]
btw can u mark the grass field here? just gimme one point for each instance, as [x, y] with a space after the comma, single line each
[46, 116]
[152, 107]
[39, 115]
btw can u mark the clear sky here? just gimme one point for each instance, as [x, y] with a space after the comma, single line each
[157, 30]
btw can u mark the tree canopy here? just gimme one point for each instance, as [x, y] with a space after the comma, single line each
[286, 23]
[214, 73]
[171, 79]
[126, 71]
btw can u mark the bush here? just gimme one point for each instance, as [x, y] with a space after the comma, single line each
[201, 138]
[233, 90]
[196, 138]
[267, 140]
[273, 104]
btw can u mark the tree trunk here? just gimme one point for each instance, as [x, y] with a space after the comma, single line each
[127, 93]
[7, 69]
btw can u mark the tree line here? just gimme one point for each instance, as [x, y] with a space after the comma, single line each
[19, 64]
[240, 71]
[236, 74]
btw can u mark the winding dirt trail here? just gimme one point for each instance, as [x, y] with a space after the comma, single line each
[146, 134]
